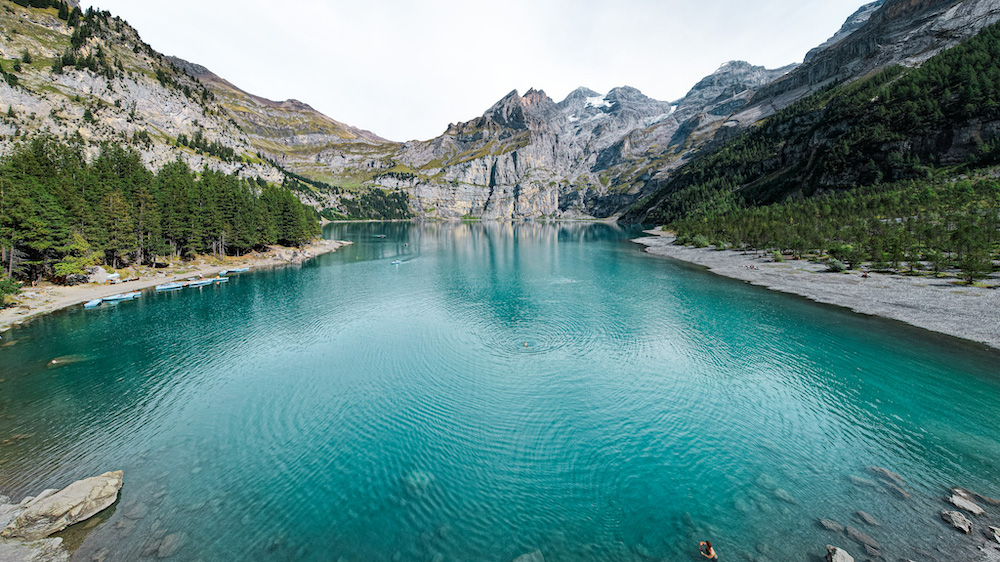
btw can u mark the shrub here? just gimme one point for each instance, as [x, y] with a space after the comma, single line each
[776, 256]
[836, 266]
[8, 288]
[699, 241]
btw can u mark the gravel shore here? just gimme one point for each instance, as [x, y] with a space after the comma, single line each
[941, 305]
[36, 301]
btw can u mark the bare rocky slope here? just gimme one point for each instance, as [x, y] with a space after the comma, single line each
[528, 156]
[115, 88]
[594, 156]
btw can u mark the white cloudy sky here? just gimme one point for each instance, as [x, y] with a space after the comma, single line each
[406, 69]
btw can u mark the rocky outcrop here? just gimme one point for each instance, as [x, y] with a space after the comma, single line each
[54, 510]
[958, 521]
[904, 32]
[148, 106]
[963, 502]
[834, 554]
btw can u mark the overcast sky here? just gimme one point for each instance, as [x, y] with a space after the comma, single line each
[404, 70]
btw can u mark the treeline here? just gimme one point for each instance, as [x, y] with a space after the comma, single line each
[911, 225]
[371, 203]
[364, 203]
[60, 214]
[201, 145]
[900, 124]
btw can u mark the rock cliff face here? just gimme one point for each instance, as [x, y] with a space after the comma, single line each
[126, 93]
[530, 157]
[880, 34]
[288, 132]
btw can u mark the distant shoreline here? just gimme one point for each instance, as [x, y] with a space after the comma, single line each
[935, 304]
[50, 298]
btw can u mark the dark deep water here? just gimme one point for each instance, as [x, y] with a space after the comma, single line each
[351, 409]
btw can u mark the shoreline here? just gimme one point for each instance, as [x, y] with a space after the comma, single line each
[934, 304]
[47, 298]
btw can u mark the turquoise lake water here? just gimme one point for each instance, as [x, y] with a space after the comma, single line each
[351, 409]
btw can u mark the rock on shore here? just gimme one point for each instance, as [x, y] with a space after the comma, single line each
[27, 524]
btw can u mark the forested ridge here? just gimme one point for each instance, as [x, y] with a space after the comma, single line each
[863, 171]
[60, 214]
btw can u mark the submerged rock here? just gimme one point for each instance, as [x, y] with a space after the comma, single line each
[963, 502]
[417, 482]
[864, 482]
[886, 473]
[834, 554]
[535, 556]
[44, 550]
[766, 482]
[169, 545]
[53, 511]
[868, 519]
[897, 491]
[784, 496]
[831, 525]
[862, 538]
[958, 521]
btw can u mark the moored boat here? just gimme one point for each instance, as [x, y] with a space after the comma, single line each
[93, 304]
[123, 297]
[171, 286]
[237, 270]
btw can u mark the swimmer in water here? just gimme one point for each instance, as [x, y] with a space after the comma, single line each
[707, 551]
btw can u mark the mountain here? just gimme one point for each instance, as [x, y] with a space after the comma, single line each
[589, 155]
[98, 82]
[289, 132]
[880, 34]
[898, 126]
[527, 156]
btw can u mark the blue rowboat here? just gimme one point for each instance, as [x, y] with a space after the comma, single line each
[93, 304]
[171, 286]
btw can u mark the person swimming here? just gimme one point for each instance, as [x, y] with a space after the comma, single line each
[707, 551]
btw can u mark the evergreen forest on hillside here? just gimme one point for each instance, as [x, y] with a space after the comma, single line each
[859, 171]
[60, 214]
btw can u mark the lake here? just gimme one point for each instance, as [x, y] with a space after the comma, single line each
[505, 388]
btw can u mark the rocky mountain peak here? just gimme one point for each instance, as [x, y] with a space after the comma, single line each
[853, 23]
[578, 94]
[906, 32]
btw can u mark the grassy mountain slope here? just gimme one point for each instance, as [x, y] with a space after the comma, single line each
[901, 123]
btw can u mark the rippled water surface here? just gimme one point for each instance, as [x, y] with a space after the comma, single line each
[503, 389]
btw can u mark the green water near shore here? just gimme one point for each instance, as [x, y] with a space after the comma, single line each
[351, 408]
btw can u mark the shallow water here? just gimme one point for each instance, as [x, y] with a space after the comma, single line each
[505, 388]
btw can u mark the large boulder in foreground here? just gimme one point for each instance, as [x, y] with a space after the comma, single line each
[52, 512]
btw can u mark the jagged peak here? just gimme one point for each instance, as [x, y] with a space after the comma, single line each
[580, 93]
[852, 24]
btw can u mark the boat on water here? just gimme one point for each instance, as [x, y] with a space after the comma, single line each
[380, 236]
[396, 262]
[237, 270]
[200, 282]
[93, 304]
[123, 297]
[217, 280]
[171, 286]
